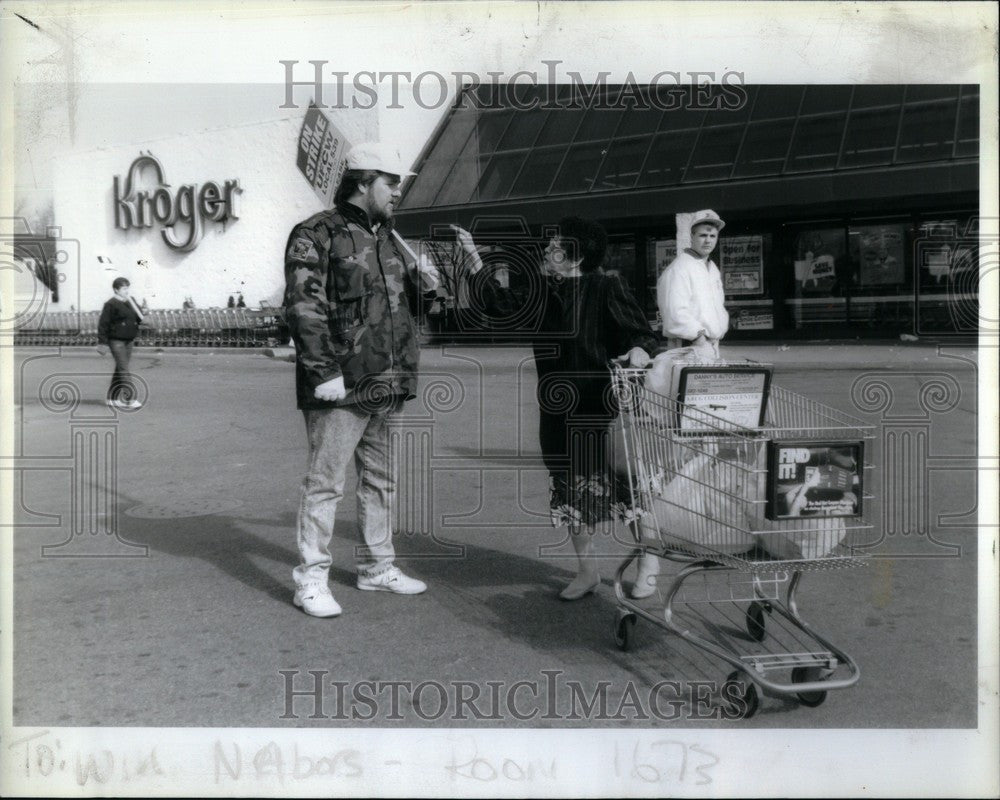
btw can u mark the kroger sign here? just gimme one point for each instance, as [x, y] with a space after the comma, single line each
[188, 205]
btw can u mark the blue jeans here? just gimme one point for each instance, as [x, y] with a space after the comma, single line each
[335, 436]
[121, 381]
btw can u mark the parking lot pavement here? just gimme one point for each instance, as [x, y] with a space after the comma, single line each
[186, 620]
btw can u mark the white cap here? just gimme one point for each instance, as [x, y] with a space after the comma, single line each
[707, 217]
[377, 156]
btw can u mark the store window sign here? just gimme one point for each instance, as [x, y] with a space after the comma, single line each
[185, 209]
[817, 252]
[742, 263]
[878, 250]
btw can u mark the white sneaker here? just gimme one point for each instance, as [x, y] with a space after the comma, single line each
[317, 600]
[645, 579]
[392, 580]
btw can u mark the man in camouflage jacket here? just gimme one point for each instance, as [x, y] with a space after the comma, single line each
[351, 297]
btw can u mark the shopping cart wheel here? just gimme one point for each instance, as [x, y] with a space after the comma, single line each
[625, 632]
[755, 620]
[740, 695]
[808, 675]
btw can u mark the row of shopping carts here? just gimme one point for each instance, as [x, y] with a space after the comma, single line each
[706, 486]
[222, 327]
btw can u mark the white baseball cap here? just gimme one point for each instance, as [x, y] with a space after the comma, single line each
[377, 156]
[707, 217]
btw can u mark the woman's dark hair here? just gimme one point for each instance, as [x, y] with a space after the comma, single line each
[584, 238]
[350, 182]
[118, 283]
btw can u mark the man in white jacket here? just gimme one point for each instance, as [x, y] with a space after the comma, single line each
[689, 293]
[691, 300]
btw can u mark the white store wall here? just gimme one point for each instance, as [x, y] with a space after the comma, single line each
[243, 255]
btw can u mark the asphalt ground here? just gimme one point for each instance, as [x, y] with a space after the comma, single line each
[187, 620]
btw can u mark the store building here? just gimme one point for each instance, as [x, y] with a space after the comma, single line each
[851, 210]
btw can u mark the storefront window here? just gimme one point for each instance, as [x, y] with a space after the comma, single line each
[741, 259]
[881, 292]
[620, 258]
[946, 256]
[818, 267]
[659, 253]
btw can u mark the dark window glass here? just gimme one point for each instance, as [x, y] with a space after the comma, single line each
[598, 124]
[560, 125]
[522, 130]
[870, 95]
[580, 168]
[498, 176]
[764, 148]
[929, 91]
[683, 118]
[715, 153]
[928, 132]
[490, 129]
[538, 172]
[871, 138]
[622, 165]
[720, 110]
[426, 184]
[777, 101]
[640, 120]
[946, 259]
[817, 143]
[460, 183]
[667, 158]
[826, 99]
[455, 134]
[968, 124]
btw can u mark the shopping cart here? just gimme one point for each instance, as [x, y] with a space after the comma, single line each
[711, 502]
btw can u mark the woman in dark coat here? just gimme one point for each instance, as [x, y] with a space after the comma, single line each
[586, 317]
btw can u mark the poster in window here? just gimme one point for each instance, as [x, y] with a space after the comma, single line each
[664, 251]
[878, 250]
[816, 255]
[741, 260]
[814, 479]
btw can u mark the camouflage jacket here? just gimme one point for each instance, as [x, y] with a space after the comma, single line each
[351, 298]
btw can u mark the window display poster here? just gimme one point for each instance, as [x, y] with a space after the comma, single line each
[943, 254]
[816, 255]
[741, 260]
[814, 479]
[878, 252]
[747, 319]
[664, 251]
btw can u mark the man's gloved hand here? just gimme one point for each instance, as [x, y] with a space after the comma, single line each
[102, 349]
[331, 390]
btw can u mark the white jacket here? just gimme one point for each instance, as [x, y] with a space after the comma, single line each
[691, 298]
